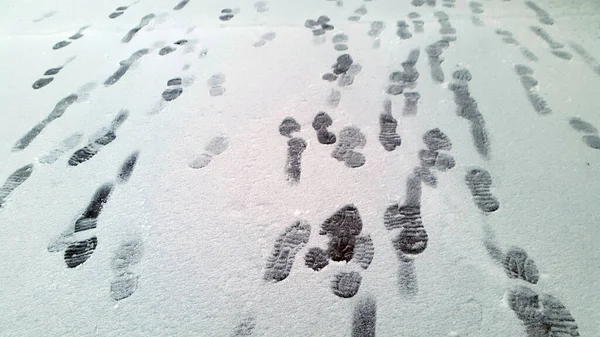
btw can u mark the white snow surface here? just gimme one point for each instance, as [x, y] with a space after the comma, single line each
[208, 232]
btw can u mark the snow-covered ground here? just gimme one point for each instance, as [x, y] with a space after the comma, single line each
[136, 204]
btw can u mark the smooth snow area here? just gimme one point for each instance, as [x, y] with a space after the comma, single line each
[204, 234]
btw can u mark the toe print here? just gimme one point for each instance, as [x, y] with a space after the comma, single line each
[13, 181]
[72, 38]
[215, 84]
[350, 138]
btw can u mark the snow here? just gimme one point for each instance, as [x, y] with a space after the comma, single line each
[208, 232]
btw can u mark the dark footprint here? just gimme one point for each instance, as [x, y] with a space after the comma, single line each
[479, 182]
[364, 318]
[288, 126]
[350, 138]
[388, 137]
[542, 315]
[118, 12]
[316, 258]
[320, 123]
[592, 141]
[89, 151]
[124, 66]
[582, 126]
[426, 176]
[342, 228]
[342, 65]
[517, 264]
[538, 103]
[73, 37]
[125, 258]
[143, 23]
[412, 239]
[169, 49]
[565, 55]
[13, 181]
[226, 14]
[287, 245]
[180, 5]
[173, 90]
[346, 284]
[293, 165]
[436, 140]
[364, 251]
[80, 252]
[44, 81]
[127, 167]
[89, 218]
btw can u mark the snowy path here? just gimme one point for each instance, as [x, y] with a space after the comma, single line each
[320, 168]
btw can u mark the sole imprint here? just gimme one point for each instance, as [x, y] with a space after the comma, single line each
[49, 75]
[72, 38]
[80, 252]
[86, 153]
[13, 181]
[293, 165]
[479, 182]
[127, 167]
[287, 245]
[542, 315]
[124, 260]
[144, 21]
[346, 284]
[124, 66]
[388, 137]
[350, 138]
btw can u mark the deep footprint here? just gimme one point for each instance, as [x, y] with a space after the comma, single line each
[143, 23]
[124, 66]
[293, 166]
[350, 138]
[89, 218]
[364, 251]
[479, 182]
[542, 315]
[288, 126]
[517, 264]
[388, 137]
[320, 123]
[13, 181]
[346, 284]
[342, 228]
[287, 245]
[127, 167]
[316, 259]
[80, 252]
